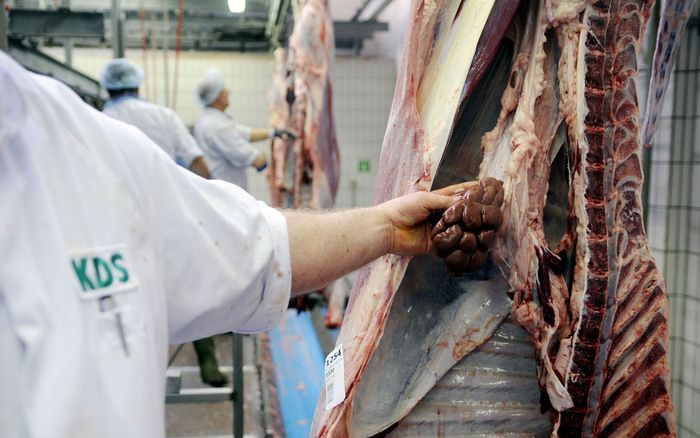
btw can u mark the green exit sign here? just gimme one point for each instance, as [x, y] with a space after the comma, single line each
[363, 166]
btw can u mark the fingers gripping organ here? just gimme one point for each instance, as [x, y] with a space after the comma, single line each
[467, 229]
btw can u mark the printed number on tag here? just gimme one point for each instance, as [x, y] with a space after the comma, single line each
[335, 378]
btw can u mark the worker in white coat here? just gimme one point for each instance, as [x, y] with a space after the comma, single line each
[122, 79]
[110, 251]
[226, 144]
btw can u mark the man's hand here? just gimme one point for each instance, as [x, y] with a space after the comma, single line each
[260, 162]
[407, 218]
[284, 134]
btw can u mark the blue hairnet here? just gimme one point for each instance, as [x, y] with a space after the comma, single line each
[121, 74]
[209, 87]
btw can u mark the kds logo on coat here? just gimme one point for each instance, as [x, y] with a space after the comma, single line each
[102, 271]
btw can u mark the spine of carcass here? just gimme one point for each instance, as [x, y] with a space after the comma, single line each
[618, 376]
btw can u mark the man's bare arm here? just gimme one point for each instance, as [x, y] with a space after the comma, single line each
[327, 245]
[259, 134]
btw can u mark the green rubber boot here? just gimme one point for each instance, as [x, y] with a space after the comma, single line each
[208, 366]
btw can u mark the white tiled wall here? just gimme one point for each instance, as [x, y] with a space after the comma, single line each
[363, 88]
[362, 99]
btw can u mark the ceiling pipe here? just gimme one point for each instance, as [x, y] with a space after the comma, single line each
[379, 10]
[360, 10]
[117, 30]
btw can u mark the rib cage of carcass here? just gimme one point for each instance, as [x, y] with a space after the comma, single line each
[543, 96]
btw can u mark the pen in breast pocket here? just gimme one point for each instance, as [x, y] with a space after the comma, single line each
[107, 305]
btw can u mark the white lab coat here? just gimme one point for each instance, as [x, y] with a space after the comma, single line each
[159, 123]
[226, 146]
[90, 207]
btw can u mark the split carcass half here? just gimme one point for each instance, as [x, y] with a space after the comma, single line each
[541, 95]
[305, 169]
[317, 160]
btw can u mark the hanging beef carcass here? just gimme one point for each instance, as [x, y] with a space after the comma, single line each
[317, 161]
[305, 168]
[541, 95]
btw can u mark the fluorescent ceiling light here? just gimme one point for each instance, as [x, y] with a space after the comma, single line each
[236, 6]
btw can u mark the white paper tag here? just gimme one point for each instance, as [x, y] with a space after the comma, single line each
[335, 378]
[102, 271]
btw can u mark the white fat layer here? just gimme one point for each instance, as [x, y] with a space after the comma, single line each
[441, 87]
[561, 11]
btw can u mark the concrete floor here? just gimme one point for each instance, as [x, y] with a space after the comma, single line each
[216, 419]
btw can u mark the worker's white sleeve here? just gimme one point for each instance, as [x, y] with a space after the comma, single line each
[225, 256]
[245, 131]
[233, 144]
[186, 148]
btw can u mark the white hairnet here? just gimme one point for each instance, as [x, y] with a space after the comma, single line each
[209, 87]
[121, 74]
